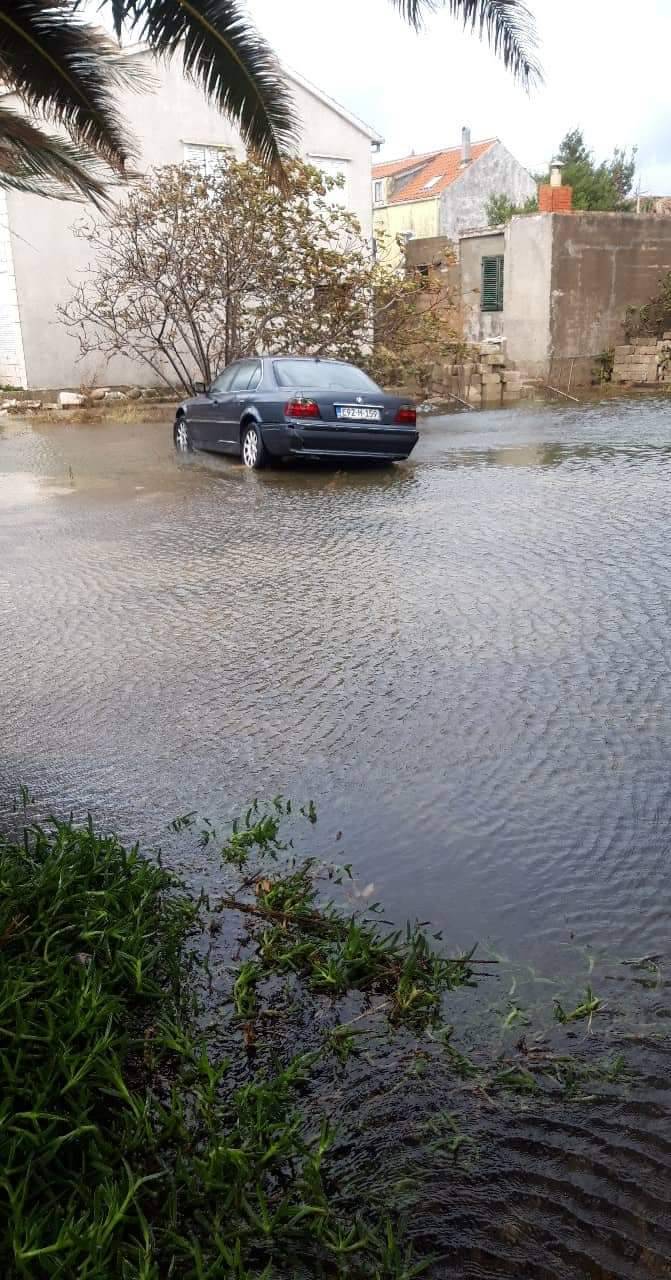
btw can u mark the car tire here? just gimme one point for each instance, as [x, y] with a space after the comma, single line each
[182, 435]
[254, 453]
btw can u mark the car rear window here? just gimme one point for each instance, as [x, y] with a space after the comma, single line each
[322, 375]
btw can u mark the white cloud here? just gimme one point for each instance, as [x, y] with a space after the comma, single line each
[605, 70]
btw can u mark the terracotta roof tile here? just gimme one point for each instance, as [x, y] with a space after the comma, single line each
[441, 166]
[390, 168]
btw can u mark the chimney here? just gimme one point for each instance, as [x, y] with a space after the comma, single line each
[466, 156]
[552, 196]
[555, 173]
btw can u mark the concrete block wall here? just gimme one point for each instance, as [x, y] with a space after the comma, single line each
[484, 379]
[642, 362]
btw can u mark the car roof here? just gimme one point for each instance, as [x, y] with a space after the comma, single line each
[290, 356]
[312, 359]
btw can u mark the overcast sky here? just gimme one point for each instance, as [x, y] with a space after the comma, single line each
[605, 66]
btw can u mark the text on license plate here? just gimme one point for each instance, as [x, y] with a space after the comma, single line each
[358, 413]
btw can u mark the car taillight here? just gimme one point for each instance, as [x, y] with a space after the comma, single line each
[301, 409]
[406, 416]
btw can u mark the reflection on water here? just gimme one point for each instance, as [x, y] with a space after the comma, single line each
[464, 659]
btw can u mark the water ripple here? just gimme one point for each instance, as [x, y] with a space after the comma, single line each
[465, 660]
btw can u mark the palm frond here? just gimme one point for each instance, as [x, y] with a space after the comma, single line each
[507, 25]
[224, 53]
[68, 71]
[35, 161]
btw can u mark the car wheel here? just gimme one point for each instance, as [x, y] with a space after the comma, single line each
[182, 436]
[253, 449]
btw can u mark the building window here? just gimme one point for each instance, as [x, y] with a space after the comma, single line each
[377, 192]
[491, 293]
[334, 168]
[207, 158]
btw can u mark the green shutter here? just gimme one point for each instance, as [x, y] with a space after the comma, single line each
[491, 296]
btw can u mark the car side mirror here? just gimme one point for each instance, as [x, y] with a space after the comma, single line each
[199, 388]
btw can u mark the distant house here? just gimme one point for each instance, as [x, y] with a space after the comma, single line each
[442, 193]
[41, 259]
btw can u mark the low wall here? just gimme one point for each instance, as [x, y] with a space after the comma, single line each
[644, 361]
[482, 379]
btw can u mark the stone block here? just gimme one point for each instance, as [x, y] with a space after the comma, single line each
[621, 351]
[495, 358]
[667, 335]
[512, 377]
[99, 393]
[115, 395]
[646, 349]
[70, 400]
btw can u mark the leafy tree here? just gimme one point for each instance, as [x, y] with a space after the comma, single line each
[192, 271]
[653, 319]
[65, 72]
[604, 186]
[500, 208]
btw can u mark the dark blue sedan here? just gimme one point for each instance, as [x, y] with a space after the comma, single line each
[296, 406]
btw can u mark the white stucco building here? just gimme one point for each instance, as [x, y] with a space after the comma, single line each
[40, 257]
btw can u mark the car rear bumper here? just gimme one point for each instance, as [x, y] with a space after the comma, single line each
[329, 439]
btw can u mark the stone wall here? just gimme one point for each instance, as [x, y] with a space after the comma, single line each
[644, 361]
[483, 379]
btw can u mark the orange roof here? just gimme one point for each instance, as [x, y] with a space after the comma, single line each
[442, 166]
[390, 168]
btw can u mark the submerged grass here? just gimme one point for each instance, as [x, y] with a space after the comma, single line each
[124, 1149]
[130, 1147]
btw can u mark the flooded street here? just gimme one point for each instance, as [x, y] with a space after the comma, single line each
[464, 660]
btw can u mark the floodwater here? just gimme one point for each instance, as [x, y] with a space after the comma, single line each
[464, 660]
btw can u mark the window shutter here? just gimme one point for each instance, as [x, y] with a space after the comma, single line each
[194, 155]
[334, 168]
[491, 294]
[206, 157]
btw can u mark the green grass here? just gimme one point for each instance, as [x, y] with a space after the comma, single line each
[125, 1149]
[132, 1148]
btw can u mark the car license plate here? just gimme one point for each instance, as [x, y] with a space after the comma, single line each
[358, 413]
